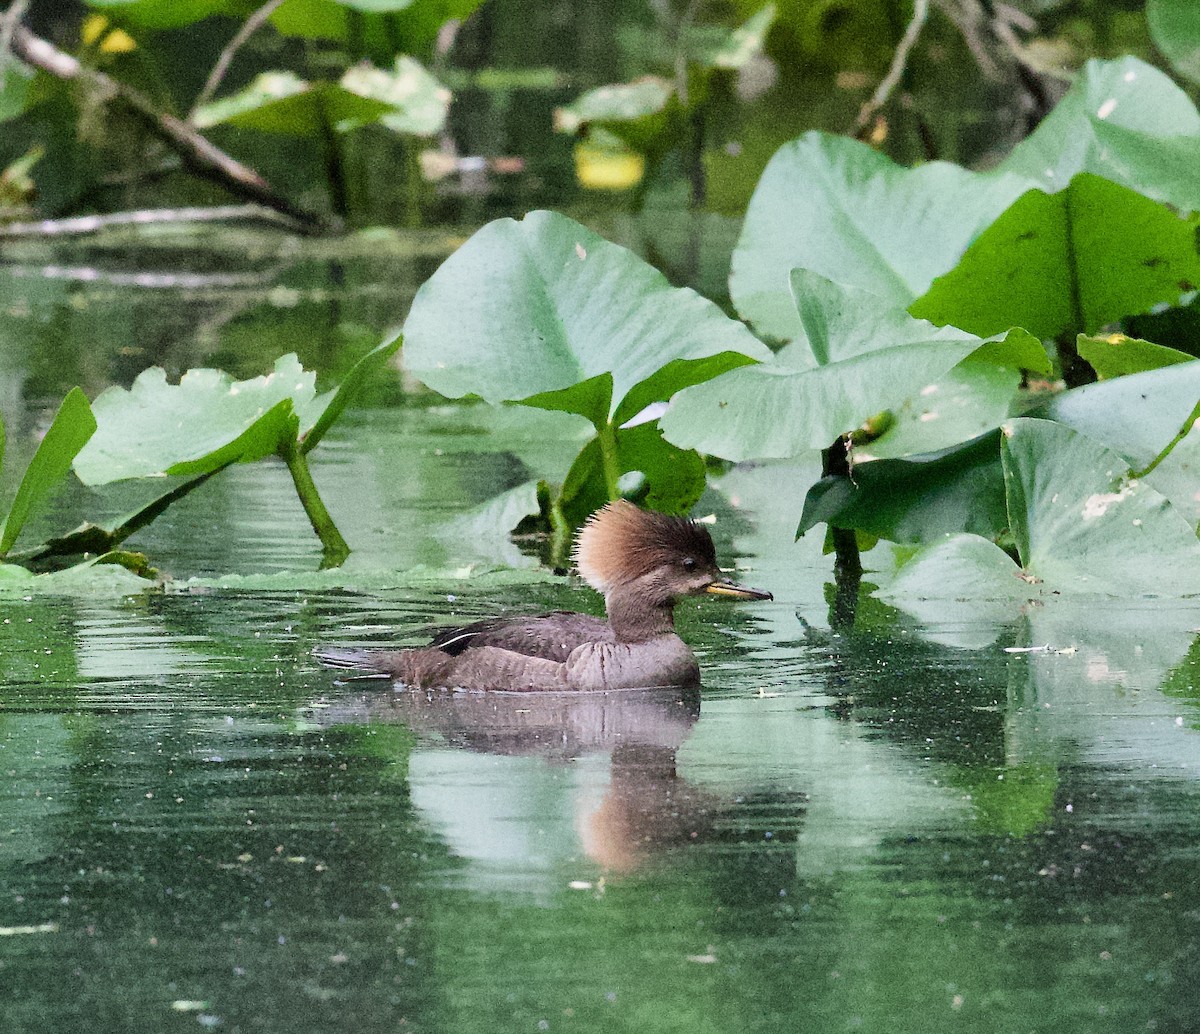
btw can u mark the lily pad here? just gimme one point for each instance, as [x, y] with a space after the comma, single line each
[1136, 416]
[919, 499]
[1123, 120]
[209, 420]
[843, 210]
[548, 313]
[847, 212]
[1175, 29]
[1082, 526]
[418, 102]
[205, 422]
[1140, 416]
[282, 102]
[857, 357]
[1072, 261]
[973, 398]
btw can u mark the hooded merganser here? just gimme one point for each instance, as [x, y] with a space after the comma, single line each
[640, 560]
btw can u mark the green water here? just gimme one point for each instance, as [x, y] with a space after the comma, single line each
[868, 821]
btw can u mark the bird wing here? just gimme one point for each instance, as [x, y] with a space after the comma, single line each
[549, 636]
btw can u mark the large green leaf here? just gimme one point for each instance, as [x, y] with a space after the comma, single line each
[975, 397]
[960, 489]
[1083, 525]
[282, 102]
[205, 422]
[1123, 120]
[1175, 28]
[857, 356]
[837, 207]
[70, 430]
[546, 312]
[919, 499]
[1136, 416]
[849, 213]
[1068, 262]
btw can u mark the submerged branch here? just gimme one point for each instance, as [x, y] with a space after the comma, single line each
[201, 156]
[78, 226]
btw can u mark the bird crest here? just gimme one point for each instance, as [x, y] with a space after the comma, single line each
[621, 542]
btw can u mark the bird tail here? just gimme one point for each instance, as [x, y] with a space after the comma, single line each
[368, 661]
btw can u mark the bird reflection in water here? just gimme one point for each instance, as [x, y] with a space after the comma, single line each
[645, 810]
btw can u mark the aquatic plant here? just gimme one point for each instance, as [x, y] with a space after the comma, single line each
[192, 430]
[546, 313]
[654, 115]
[915, 310]
[1078, 229]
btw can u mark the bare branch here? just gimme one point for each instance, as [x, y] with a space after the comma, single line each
[82, 225]
[8, 23]
[200, 155]
[899, 61]
[249, 27]
[972, 22]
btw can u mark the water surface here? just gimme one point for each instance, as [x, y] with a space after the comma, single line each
[959, 819]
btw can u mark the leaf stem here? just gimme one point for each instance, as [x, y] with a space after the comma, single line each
[561, 534]
[608, 460]
[1184, 431]
[335, 547]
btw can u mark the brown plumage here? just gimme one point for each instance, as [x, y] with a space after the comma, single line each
[621, 542]
[642, 562]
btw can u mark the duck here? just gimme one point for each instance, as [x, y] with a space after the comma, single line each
[642, 562]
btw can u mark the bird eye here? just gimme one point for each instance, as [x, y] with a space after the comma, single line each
[688, 563]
